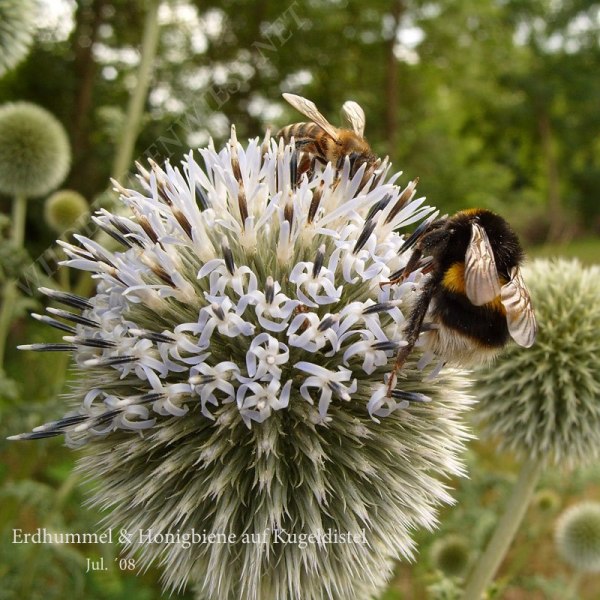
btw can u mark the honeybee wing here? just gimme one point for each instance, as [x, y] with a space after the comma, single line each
[309, 109]
[520, 317]
[355, 116]
[481, 275]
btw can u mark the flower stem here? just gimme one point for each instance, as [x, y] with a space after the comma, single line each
[574, 585]
[8, 301]
[505, 531]
[138, 97]
[19, 212]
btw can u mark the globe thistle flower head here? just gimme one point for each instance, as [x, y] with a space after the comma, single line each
[577, 536]
[450, 555]
[64, 208]
[232, 376]
[16, 32]
[542, 402]
[34, 150]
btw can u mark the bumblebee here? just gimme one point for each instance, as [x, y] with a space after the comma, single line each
[326, 142]
[474, 296]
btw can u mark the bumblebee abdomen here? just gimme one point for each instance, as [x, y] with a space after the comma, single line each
[484, 325]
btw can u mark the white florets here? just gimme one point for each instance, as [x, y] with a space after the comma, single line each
[242, 281]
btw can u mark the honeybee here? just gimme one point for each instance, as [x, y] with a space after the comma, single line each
[474, 296]
[326, 142]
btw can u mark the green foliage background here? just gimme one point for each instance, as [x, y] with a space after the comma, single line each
[490, 103]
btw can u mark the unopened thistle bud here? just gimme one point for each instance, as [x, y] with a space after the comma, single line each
[64, 208]
[546, 500]
[450, 554]
[577, 536]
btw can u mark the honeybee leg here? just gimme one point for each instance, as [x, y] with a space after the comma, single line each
[304, 166]
[412, 331]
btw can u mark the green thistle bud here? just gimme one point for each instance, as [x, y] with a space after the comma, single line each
[64, 208]
[16, 32]
[34, 150]
[13, 260]
[577, 536]
[542, 402]
[450, 554]
[546, 500]
[232, 377]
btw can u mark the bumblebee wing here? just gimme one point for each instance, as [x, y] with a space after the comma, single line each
[481, 276]
[355, 115]
[520, 317]
[309, 109]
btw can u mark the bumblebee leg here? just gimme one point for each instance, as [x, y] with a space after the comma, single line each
[413, 330]
[405, 271]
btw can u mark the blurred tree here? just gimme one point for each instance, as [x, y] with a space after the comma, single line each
[489, 103]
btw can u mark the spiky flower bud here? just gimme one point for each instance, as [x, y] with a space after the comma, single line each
[13, 261]
[16, 32]
[543, 402]
[232, 377]
[450, 555]
[34, 150]
[577, 536]
[546, 500]
[64, 208]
